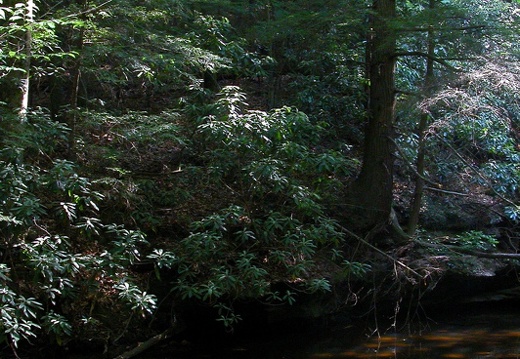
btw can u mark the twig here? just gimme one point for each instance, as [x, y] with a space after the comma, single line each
[125, 329]
[13, 349]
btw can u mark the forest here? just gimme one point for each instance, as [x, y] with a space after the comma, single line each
[167, 163]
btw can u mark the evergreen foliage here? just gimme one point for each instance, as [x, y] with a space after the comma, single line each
[59, 258]
[172, 156]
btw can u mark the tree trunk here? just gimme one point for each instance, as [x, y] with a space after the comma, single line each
[429, 79]
[370, 196]
[25, 81]
[75, 72]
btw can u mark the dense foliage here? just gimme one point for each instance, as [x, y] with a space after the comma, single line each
[170, 156]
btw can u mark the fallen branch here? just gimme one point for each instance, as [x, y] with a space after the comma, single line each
[446, 191]
[489, 255]
[462, 250]
[499, 255]
[141, 347]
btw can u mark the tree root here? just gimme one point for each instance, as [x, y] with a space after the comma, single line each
[394, 260]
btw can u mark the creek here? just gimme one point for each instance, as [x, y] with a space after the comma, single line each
[475, 331]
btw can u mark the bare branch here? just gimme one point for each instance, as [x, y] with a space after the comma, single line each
[474, 170]
[89, 11]
[430, 28]
[443, 62]
[425, 179]
[446, 191]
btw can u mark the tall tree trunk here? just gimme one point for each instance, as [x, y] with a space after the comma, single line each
[429, 79]
[74, 93]
[370, 195]
[25, 81]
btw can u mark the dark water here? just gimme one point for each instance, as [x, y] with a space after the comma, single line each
[476, 332]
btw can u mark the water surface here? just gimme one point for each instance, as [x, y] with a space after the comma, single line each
[476, 332]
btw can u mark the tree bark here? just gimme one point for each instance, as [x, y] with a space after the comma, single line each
[429, 79]
[370, 195]
[74, 93]
[26, 80]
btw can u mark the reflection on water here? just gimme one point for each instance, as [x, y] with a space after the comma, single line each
[474, 333]
[477, 334]
[443, 343]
